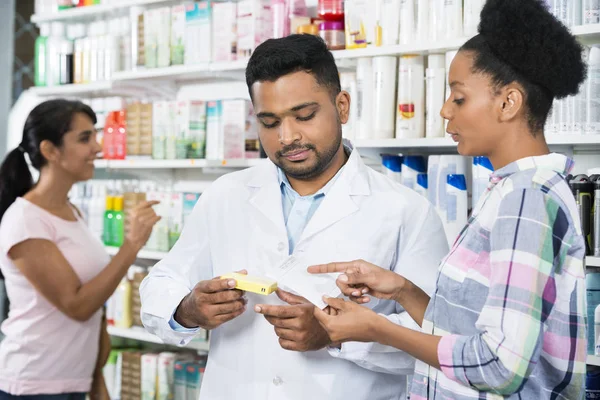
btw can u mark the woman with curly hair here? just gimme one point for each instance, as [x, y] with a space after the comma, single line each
[507, 317]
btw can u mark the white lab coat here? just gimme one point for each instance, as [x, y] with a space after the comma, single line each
[238, 224]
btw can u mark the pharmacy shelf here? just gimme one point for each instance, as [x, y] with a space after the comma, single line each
[146, 163]
[446, 144]
[140, 334]
[592, 261]
[92, 12]
[396, 50]
[593, 360]
[587, 34]
[73, 89]
[142, 254]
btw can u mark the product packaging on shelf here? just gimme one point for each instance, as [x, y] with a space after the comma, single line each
[254, 25]
[224, 33]
[178, 17]
[198, 37]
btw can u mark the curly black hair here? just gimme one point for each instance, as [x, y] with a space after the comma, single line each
[521, 41]
[275, 58]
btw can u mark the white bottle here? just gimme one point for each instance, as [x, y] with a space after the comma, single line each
[364, 80]
[433, 166]
[575, 12]
[390, 21]
[53, 46]
[348, 83]
[384, 110]
[560, 9]
[93, 52]
[472, 13]
[452, 19]
[410, 118]
[449, 58]
[412, 166]
[125, 43]
[436, 20]
[422, 20]
[435, 85]
[422, 185]
[101, 51]
[392, 166]
[591, 12]
[482, 169]
[456, 206]
[593, 90]
[112, 50]
[407, 22]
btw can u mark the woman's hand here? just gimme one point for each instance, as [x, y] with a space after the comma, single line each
[141, 221]
[360, 278]
[347, 322]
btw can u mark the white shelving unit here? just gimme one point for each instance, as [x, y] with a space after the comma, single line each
[140, 334]
[143, 254]
[93, 12]
[593, 360]
[148, 163]
[592, 261]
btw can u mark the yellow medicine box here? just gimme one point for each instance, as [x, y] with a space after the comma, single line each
[252, 284]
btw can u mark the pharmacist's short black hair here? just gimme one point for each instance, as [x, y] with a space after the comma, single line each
[275, 58]
[521, 41]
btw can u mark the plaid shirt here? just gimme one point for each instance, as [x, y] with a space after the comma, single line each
[510, 296]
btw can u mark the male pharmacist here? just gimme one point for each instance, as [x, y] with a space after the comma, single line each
[315, 201]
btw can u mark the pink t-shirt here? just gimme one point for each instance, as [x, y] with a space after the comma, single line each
[45, 351]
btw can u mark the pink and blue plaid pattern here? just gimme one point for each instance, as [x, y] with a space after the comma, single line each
[510, 296]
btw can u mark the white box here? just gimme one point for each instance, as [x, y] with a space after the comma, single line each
[177, 34]
[214, 131]
[198, 40]
[151, 38]
[234, 128]
[224, 33]
[254, 25]
[163, 30]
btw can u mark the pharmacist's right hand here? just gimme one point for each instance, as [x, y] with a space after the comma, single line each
[141, 220]
[211, 303]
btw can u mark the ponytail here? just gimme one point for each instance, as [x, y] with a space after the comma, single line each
[15, 179]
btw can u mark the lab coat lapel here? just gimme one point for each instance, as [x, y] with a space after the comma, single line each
[338, 203]
[267, 195]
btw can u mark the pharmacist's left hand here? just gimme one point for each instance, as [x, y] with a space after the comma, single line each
[295, 325]
[349, 322]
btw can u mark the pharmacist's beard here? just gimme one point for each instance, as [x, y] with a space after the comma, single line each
[310, 168]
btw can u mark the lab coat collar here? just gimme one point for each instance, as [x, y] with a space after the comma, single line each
[353, 181]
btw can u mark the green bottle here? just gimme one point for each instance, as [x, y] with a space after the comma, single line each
[41, 56]
[118, 222]
[108, 221]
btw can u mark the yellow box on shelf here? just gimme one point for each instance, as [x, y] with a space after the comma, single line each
[252, 284]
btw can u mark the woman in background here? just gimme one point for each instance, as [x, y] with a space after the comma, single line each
[58, 274]
[507, 318]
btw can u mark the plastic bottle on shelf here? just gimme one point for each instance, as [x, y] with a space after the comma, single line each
[97, 209]
[471, 16]
[410, 114]
[422, 19]
[592, 125]
[591, 12]
[456, 206]
[422, 186]
[364, 84]
[122, 303]
[348, 83]
[407, 22]
[53, 47]
[66, 62]
[331, 10]
[452, 19]
[392, 166]
[412, 166]
[108, 220]
[384, 112]
[280, 19]
[41, 54]
[435, 84]
[118, 222]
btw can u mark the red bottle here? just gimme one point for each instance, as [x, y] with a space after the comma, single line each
[331, 10]
[115, 136]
